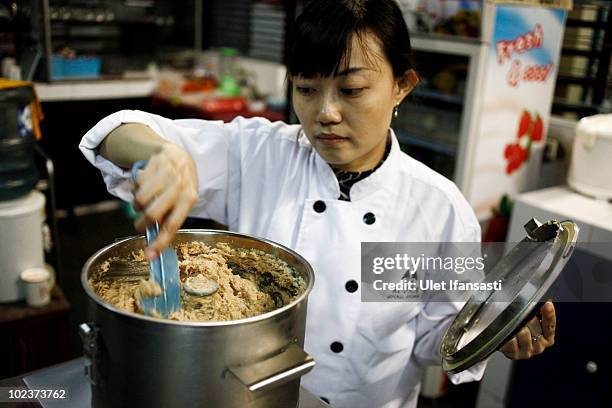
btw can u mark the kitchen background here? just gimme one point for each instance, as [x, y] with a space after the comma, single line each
[219, 59]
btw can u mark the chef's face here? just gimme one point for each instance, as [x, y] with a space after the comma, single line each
[346, 116]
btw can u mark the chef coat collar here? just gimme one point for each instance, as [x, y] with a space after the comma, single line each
[368, 185]
[326, 176]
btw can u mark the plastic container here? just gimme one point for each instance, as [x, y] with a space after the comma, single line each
[18, 173]
[38, 284]
[22, 245]
[79, 67]
[228, 83]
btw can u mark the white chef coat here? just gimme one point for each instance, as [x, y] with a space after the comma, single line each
[264, 179]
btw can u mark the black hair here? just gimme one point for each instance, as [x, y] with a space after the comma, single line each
[321, 39]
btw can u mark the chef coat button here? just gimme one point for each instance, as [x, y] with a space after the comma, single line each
[351, 286]
[319, 206]
[336, 347]
[369, 218]
[325, 400]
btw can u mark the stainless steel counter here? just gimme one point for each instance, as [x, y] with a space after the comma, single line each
[70, 375]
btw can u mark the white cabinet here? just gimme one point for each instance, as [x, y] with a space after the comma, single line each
[594, 217]
[569, 364]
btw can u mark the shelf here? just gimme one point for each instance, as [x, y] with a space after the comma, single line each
[566, 52]
[407, 138]
[596, 25]
[581, 109]
[95, 89]
[575, 80]
[419, 36]
[102, 18]
[441, 44]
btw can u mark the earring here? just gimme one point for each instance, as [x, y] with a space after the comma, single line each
[396, 110]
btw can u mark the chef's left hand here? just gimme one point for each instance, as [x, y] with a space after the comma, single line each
[535, 337]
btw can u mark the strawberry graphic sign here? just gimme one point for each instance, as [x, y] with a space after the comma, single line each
[520, 53]
[530, 130]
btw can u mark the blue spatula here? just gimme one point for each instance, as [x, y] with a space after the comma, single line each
[164, 271]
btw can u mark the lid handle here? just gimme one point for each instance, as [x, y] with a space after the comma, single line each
[542, 232]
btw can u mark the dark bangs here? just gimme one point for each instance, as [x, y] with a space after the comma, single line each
[321, 39]
[322, 35]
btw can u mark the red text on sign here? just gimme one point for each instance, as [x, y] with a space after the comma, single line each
[525, 42]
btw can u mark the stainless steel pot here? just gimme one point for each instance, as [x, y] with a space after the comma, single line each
[136, 360]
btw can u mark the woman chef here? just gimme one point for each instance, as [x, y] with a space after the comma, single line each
[320, 188]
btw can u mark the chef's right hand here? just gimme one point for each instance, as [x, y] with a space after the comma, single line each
[166, 190]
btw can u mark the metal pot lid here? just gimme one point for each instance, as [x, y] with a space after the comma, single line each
[489, 319]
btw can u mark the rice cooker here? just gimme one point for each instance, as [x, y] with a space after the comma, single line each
[590, 170]
[21, 222]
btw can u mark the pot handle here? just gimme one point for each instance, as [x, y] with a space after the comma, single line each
[290, 364]
[89, 337]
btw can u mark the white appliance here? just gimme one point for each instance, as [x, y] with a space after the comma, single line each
[594, 218]
[590, 170]
[21, 246]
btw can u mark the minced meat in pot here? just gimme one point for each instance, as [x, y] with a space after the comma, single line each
[250, 282]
